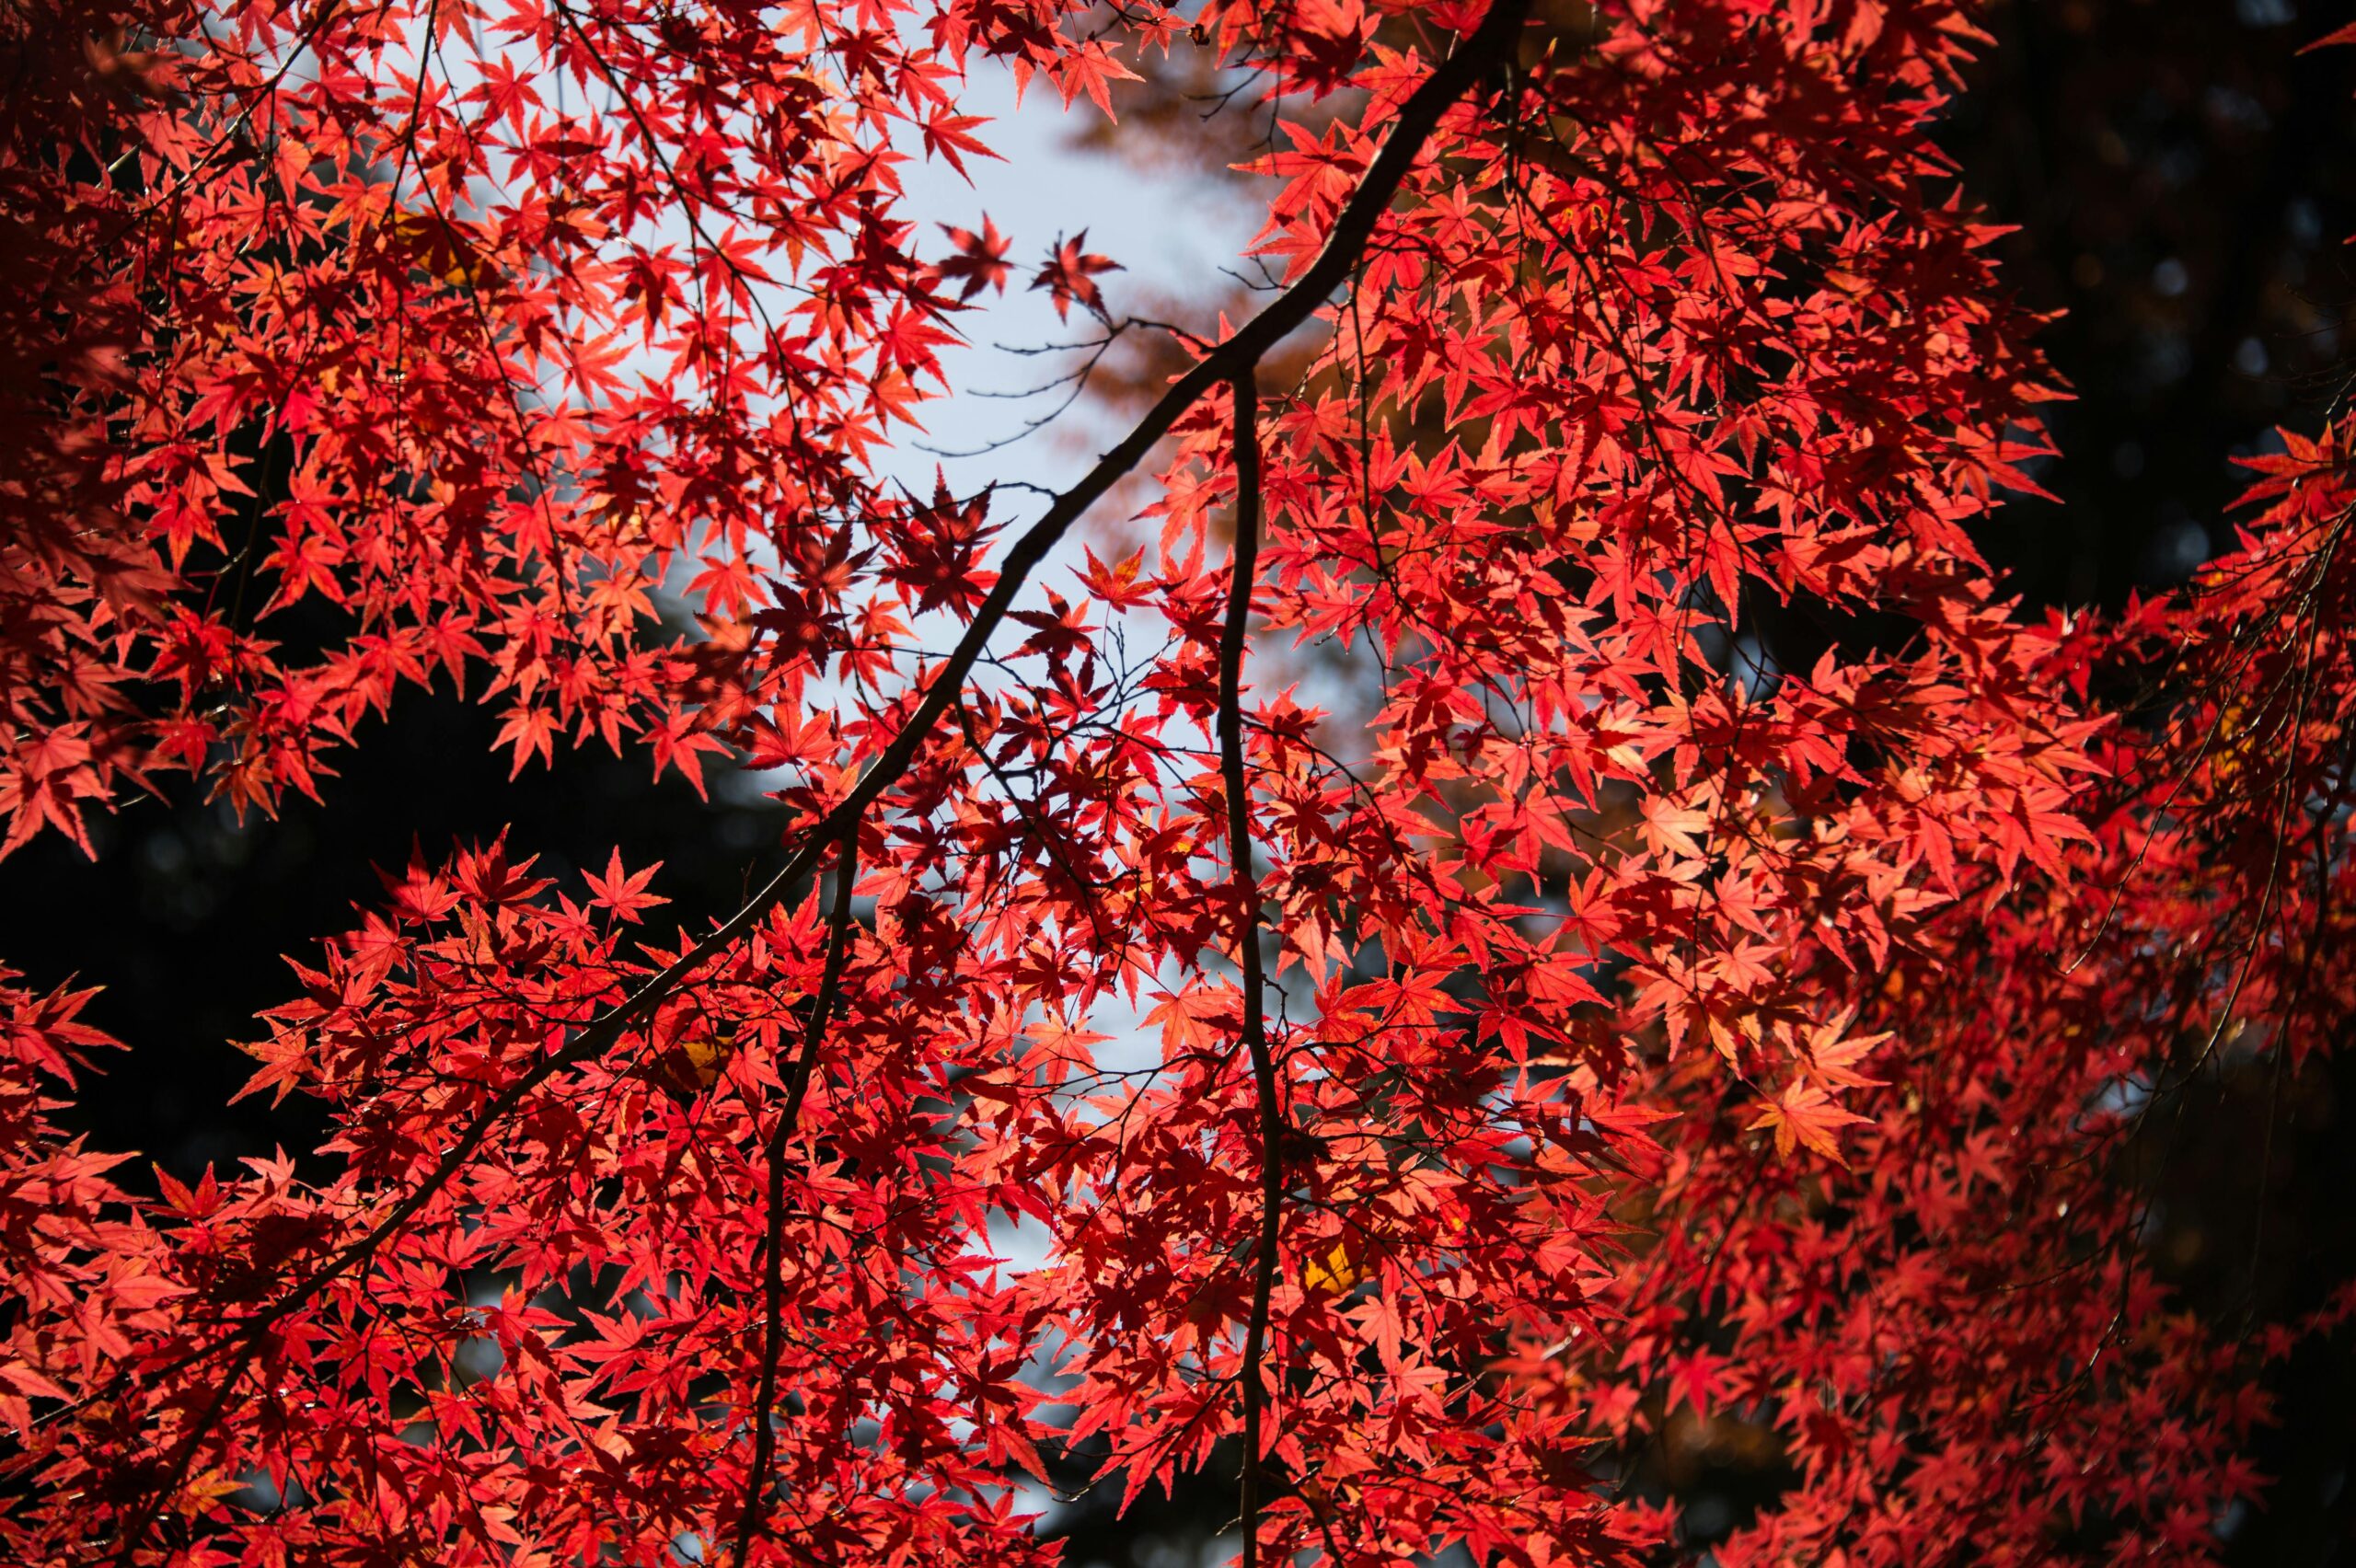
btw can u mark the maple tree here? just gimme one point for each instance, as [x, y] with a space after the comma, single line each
[1722, 985]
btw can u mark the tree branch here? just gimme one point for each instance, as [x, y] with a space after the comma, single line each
[797, 1084]
[1247, 940]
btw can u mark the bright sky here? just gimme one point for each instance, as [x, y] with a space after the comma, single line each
[1173, 233]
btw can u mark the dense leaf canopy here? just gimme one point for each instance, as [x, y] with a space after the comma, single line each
[1715, 974]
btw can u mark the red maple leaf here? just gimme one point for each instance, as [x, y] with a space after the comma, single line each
[1069, 275]
[982, 260]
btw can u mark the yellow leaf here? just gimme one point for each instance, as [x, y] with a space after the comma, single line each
[709, 1060]
[693, 1065]
[438, 245]
[1338, 1269]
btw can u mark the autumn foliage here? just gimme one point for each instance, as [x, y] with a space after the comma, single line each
[1717, 979]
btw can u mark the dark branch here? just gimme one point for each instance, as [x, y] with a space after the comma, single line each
[1247, 940]
[797, 1084]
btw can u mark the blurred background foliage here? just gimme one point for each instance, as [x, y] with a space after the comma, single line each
[2179, 180]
